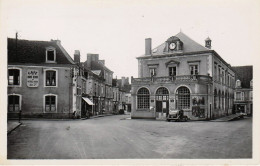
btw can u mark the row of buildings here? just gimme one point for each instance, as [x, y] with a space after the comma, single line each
[182, 74]
[45, 82]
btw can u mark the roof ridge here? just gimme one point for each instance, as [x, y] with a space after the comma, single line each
[51, 41]
[243, 66]
[192, 39]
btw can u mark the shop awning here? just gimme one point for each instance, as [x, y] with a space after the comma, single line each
[87, 100]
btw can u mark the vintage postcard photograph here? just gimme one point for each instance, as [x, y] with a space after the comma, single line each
[129, 82]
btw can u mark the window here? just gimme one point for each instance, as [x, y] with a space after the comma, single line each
[50, 103]
[50, 54]
[219, 100]
[238, 83]
[84, 86]
[251, 95]
[152, 72]
[215, 98]
[219, 75]
[251, 83]
[183, 98]
[215, 72]
[13, 103]
[51, 78]
[194, 69]
[14, 76]
[223, 96]
[239, 96]
[172, 71]
[143, 99]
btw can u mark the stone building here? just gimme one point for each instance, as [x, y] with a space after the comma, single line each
[42, 80]
[243, 101]
[182, 74]
[99, 83]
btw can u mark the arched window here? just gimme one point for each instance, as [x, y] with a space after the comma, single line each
[215, 98]
[162, 91]
[183, 98]
[162, 94]
[238, 83]
[143, 98]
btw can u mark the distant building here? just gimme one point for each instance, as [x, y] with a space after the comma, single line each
[244, 89]
[100, 83]
[182, 74]
[42, 80]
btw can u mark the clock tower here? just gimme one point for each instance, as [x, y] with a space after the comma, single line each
[173, 44]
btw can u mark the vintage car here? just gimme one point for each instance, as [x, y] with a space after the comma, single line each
[177, 115]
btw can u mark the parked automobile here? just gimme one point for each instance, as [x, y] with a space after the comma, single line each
[177, 116]
[241, 114]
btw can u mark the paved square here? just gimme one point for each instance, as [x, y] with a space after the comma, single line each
[115, 137]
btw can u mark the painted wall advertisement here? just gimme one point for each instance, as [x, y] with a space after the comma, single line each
[32, 78]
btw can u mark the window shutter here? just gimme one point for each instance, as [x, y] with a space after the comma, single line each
[242, 96]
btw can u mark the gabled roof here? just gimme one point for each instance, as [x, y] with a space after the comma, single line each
[189, 45]
[34, 52]
[244, 74]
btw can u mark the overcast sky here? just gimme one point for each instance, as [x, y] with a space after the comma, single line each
[116, 30]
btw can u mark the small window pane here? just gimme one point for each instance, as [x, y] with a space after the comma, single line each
[13, 77]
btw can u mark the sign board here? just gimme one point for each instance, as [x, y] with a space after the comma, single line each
[32, 78]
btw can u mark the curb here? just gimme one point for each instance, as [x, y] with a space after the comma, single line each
[8, 132]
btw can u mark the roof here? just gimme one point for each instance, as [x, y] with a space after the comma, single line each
[189, 45]
[244, 74]
[34, 52]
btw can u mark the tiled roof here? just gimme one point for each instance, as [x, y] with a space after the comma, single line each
[189, 45]
[34, 52]
[244, 74]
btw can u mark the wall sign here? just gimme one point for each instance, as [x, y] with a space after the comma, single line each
[32, 78]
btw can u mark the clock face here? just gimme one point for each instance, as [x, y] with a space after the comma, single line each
[172, 46]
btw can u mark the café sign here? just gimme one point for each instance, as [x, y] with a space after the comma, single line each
[32, 78]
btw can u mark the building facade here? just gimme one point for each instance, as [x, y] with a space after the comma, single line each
[243, 101]
[182, 74]
[99, 83]
[42, 80]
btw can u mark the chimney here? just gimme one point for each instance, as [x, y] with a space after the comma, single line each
[208, 43]
[123, 81]
[127, 81]
[77, 56]
[148, 46]
[91, 58]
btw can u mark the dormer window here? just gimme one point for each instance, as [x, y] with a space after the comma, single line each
[50, 55]
[238, 83]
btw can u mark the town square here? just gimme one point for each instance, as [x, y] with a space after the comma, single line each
[90, 80]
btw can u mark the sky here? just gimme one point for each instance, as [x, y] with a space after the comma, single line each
[116, 30]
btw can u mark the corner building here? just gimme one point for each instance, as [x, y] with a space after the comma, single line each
[42, 80]
[182, 74]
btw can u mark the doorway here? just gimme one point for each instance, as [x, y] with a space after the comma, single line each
[162, 102]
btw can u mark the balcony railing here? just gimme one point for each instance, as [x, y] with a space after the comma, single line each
[173, 79]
